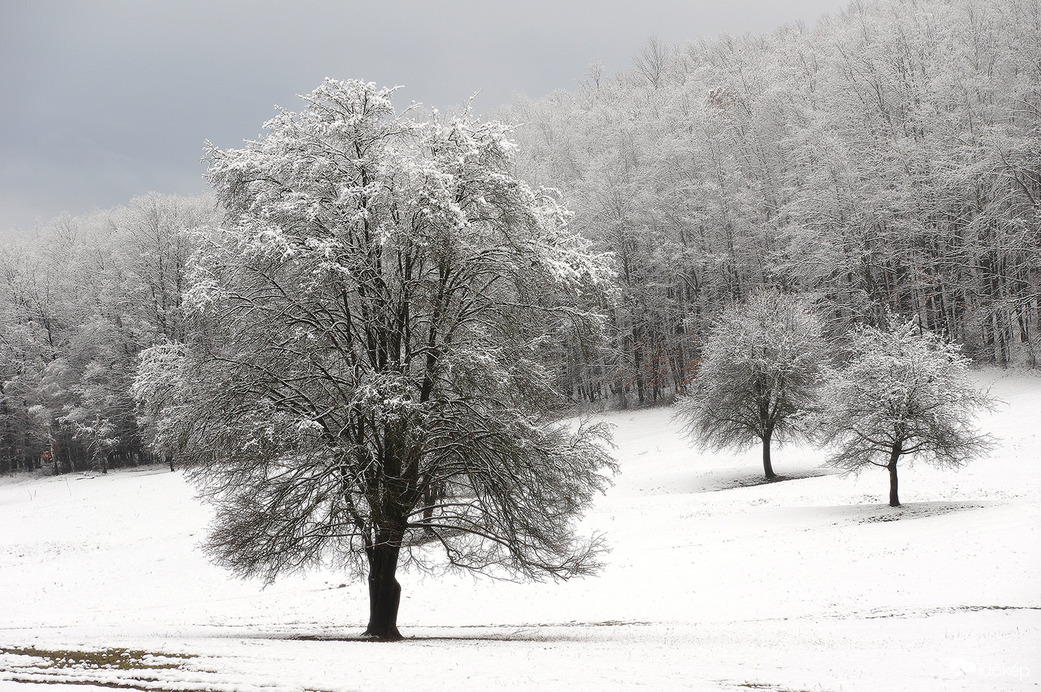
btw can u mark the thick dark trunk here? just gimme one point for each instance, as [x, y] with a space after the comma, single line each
[768, 468]
[384, 592]
[894, 497]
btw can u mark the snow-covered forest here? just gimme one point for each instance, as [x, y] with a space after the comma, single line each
[885, 160]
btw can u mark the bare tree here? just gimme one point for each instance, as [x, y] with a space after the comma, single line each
[904, 391]
[362, 379]
[652, 61]
[760, 368]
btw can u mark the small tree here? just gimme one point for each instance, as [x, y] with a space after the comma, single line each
[362, 379]
[904, 391]
[760, 367]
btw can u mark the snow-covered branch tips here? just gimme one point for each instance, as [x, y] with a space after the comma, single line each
[364, 374]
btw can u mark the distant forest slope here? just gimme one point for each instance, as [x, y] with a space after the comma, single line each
[888, 159]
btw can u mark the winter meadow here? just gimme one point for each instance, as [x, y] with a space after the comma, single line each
[720, 372]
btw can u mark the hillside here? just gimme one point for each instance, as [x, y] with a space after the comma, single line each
[713, 582]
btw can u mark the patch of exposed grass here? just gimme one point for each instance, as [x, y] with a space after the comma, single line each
[107, 659]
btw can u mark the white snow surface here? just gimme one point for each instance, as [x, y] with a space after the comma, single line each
[712, 582]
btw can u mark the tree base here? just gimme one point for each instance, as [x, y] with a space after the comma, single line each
[384, 593]
[369, 637]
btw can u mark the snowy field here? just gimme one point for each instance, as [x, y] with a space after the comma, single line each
[812, 583]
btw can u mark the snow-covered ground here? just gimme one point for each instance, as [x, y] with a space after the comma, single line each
[812, 583]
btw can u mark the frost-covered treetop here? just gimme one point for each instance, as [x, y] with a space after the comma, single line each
[348, 162]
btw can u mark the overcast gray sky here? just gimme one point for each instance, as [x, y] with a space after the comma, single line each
[108, 99]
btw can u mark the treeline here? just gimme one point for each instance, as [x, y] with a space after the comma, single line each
[77, 305]
[886, 160]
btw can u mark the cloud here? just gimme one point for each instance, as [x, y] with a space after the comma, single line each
[108, 99]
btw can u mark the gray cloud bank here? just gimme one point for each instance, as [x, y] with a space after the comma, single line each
[110, 99]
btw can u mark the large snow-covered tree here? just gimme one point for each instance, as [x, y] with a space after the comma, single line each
[760, 368]
[363, 378]
[904, 392]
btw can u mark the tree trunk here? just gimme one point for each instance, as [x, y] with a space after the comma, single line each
[384, 591]
[432, 494]
[768, 468]
[894, 497]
